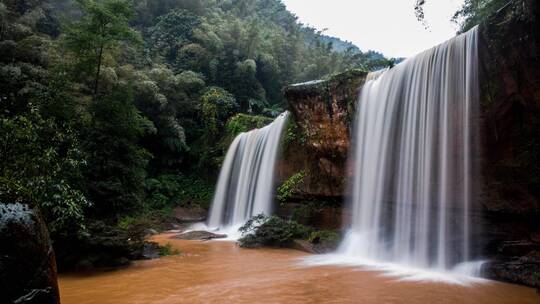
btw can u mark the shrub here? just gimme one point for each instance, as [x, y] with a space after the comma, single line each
[263, 230]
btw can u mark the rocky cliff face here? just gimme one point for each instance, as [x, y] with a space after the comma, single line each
[316, 145]
[509, 51]
[27, 263]
[318, 141]
[322, 114]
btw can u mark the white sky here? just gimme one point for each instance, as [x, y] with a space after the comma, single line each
[386, 26]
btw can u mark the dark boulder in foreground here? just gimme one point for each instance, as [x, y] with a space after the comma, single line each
[27, 262]
[199, 235]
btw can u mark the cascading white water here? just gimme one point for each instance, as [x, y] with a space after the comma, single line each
[412, 159]
[245, 186]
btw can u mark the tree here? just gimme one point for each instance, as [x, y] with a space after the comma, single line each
[173, 31]
[471, 13]
[217, 106]
[43, 160]
[116, 162]
[475, 11]
[103, 27]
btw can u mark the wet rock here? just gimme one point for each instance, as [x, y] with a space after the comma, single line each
[27, 262]
[518, 248]
[303, 245]
[189, 215]
[524, 270]
[150, 250]
[199, 235]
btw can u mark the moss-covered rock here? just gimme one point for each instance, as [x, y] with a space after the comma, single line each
[275, 231]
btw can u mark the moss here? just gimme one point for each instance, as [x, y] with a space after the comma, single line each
[347, 76]
[293, 135]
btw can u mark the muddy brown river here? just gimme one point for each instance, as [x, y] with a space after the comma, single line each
[221, 272]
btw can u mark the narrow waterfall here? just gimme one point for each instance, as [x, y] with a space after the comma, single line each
[413, 160]
[246, 182]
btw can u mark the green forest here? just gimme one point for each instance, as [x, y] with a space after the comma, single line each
[112, 112]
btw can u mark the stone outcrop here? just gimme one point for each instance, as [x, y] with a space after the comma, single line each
[509, 51]
[318, 141]
[27, 262]
[318, 137]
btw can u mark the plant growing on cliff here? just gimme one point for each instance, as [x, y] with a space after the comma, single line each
[293, 134]
[286, 189]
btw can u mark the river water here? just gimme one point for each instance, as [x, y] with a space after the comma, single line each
[222, 272]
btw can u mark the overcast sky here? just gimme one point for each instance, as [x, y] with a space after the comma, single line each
[387, 26]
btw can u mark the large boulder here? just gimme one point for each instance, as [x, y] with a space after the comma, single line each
[27, 262]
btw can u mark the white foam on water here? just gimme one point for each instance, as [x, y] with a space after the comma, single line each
[464, 274]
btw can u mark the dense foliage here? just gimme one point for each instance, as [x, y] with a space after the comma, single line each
[471, 13]
[112, 109]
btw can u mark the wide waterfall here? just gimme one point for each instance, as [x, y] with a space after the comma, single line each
[413, 163]
[413, 159]
[245, 186]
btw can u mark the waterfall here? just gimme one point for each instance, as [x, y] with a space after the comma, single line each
[412, 160]
[245, 187]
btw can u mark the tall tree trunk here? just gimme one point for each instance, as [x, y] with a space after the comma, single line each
[96, 83]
